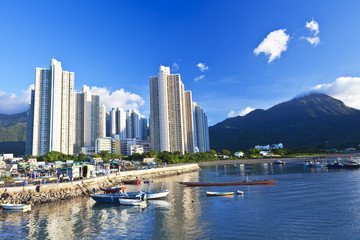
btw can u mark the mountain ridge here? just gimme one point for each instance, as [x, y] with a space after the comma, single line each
[13, 133]
[307, 121]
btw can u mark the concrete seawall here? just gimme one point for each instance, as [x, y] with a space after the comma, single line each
[61, 191]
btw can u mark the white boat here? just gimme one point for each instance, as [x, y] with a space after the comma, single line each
[219, 193]
[239, 192]
[17, 207]
[132, 202]
[156, 194]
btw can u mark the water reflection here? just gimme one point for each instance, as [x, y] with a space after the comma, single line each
[303, 198]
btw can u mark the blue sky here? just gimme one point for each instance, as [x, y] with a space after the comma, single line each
[115, 46]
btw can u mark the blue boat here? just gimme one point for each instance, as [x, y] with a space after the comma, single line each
[114, 198]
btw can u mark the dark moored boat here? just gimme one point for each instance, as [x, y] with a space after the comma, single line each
[246, 182]
[113, 189]
[136, 181]
[114, 198]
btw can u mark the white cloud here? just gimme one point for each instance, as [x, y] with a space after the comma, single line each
[312, 40]
[274, 44]
[118, 98]
[199, 78]
[313, 26]
[10, 103]
[242, 112]
[202, 67]
[175, 67]
[346, 89]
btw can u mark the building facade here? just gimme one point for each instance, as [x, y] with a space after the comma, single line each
[128, 124]
[90, 119]
[172, 122]
[51, 125]
[201, 129]
[60, 119]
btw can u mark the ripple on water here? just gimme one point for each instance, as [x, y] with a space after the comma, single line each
[304, 204]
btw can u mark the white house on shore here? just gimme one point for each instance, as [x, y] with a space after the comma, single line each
[239, 154]
[270, 146]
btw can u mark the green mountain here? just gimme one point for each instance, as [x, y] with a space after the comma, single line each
[309, 121]
[13, 133]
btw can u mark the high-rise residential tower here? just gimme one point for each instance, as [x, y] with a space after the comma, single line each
[201, 129]
[128, 124]
[102, 120]
[176, 123]
[171, 115]
[90, 119]
[51, 111]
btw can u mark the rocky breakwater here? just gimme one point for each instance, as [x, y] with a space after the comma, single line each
[54, 192]
[43, 195]
[157, 172]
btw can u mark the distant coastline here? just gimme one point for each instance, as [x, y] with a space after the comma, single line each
[270, 160]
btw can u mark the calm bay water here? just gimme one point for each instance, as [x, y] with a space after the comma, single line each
[305, 204]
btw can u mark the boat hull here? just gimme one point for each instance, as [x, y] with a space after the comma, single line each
[114, 198]
[132, 202]
[157, 195]
[16, 207]
[113, 190]
[135, 182]
[219, 193]
[205, 184]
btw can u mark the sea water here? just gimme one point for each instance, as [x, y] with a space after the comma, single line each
[305, 203]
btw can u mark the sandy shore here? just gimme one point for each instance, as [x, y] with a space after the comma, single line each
[270, 160]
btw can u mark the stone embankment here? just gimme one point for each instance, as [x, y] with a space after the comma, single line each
[53, 192]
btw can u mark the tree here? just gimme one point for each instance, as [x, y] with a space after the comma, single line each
[252, 153]
[151, 154]
[105, 155]
[226, 152]
[81, 157]
[213, 152]
[166, 157]
[278, 152]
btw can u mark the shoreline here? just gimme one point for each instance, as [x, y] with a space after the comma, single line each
[44, 193]
[270, 160]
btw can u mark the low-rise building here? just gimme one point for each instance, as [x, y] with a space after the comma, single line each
[239, 154]
[270, 146]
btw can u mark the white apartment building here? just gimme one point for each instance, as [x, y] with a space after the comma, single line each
[102, 120]
[166, 107]
[60, 119]
[103, 144]
[172, 121]
[50, 115]
[90, 122]
[128, 124]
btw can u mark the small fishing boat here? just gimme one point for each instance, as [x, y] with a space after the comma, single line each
[135, 181]
[113, 189]
[219, 193]
[133, 202]
[148, 180]
[156, 194]
[245, 182]
[114, 198]
[238, 192]
[278, 162]
[16, 207]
